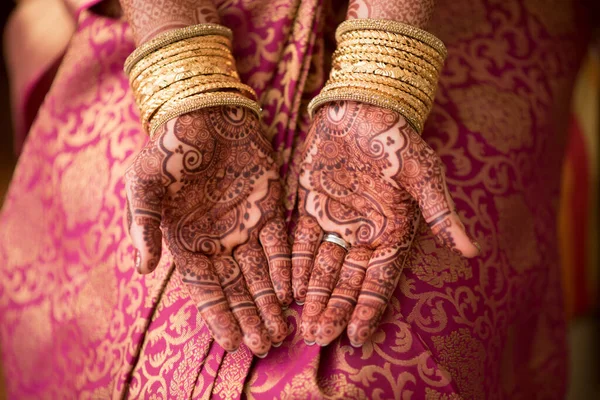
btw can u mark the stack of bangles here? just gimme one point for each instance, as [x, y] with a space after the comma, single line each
[387, 64]
[184, 70]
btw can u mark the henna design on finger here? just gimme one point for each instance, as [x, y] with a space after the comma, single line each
[203, 286]
[242, 305]
[306, 242]
[251, 258]
[274, 240]
[322, 281]
[344, 297]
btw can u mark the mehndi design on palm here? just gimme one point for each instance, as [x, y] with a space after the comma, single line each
[208, 181]
[367, 176]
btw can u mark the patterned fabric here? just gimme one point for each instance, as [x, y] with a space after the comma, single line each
[76, 321]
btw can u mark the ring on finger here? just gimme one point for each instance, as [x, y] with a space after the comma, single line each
[336, 239]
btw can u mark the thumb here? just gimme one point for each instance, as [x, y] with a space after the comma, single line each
[422, 175]
[145, 192]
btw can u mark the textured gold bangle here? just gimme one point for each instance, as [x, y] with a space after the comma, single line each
[368, 97]
[430, 76]
[382, 80]
[382, 69]
[184, 66]
[204, 100]
[165, 80]
[422, 60]
[184, 89]
[145, 89]
[393, 37]
[391, 48]
[174, 49]
[361, 24]
[421, 109]
[214, 56]
[172, 36]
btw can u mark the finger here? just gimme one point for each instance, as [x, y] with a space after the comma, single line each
[274, 239]
[205, 290]
[307, 237]
[334, 319]
[251, 259]
[422, 174]
[232, 281]
[383, 272]
[322, 281]
[145, 191]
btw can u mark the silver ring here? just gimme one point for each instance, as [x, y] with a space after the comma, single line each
[336, 239]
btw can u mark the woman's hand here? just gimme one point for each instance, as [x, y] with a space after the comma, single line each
[365, 174]
[208, 180]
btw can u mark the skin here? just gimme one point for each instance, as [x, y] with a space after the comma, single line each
[207, 182]
[149, 18]
[208, 185]
[367, 176]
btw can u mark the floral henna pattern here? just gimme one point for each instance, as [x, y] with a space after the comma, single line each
[207, 182]
[322, 282]
[367, 176]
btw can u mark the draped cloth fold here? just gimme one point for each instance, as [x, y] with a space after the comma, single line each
[76, 321]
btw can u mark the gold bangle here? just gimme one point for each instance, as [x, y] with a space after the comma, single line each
[172, 36]
[219, 56]
[187, 89]
[382, 69]
[204, 100]
[414, 57]
[350, 58]
[174, 49]
[392, 27]
[391, 48]
[394, 38]
[382, 80]
[368, 97]
[146, 89]
[420, 108]
[181, 68]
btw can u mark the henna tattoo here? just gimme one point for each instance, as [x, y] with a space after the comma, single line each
[322, 281]
[412, 12]
[208, 182]
[366, 175]
[149, 18]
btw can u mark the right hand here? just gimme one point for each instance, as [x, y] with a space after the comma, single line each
[208, 180]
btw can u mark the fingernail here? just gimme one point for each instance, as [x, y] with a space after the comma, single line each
[262, 355]
[308, 343]
[276, 344]
[357, 345]
[137, 259]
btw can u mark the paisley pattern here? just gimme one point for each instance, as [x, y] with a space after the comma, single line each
[492, 327]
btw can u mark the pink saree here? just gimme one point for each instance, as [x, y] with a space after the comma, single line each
[76, 320]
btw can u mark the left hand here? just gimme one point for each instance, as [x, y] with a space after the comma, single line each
[364, 175]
